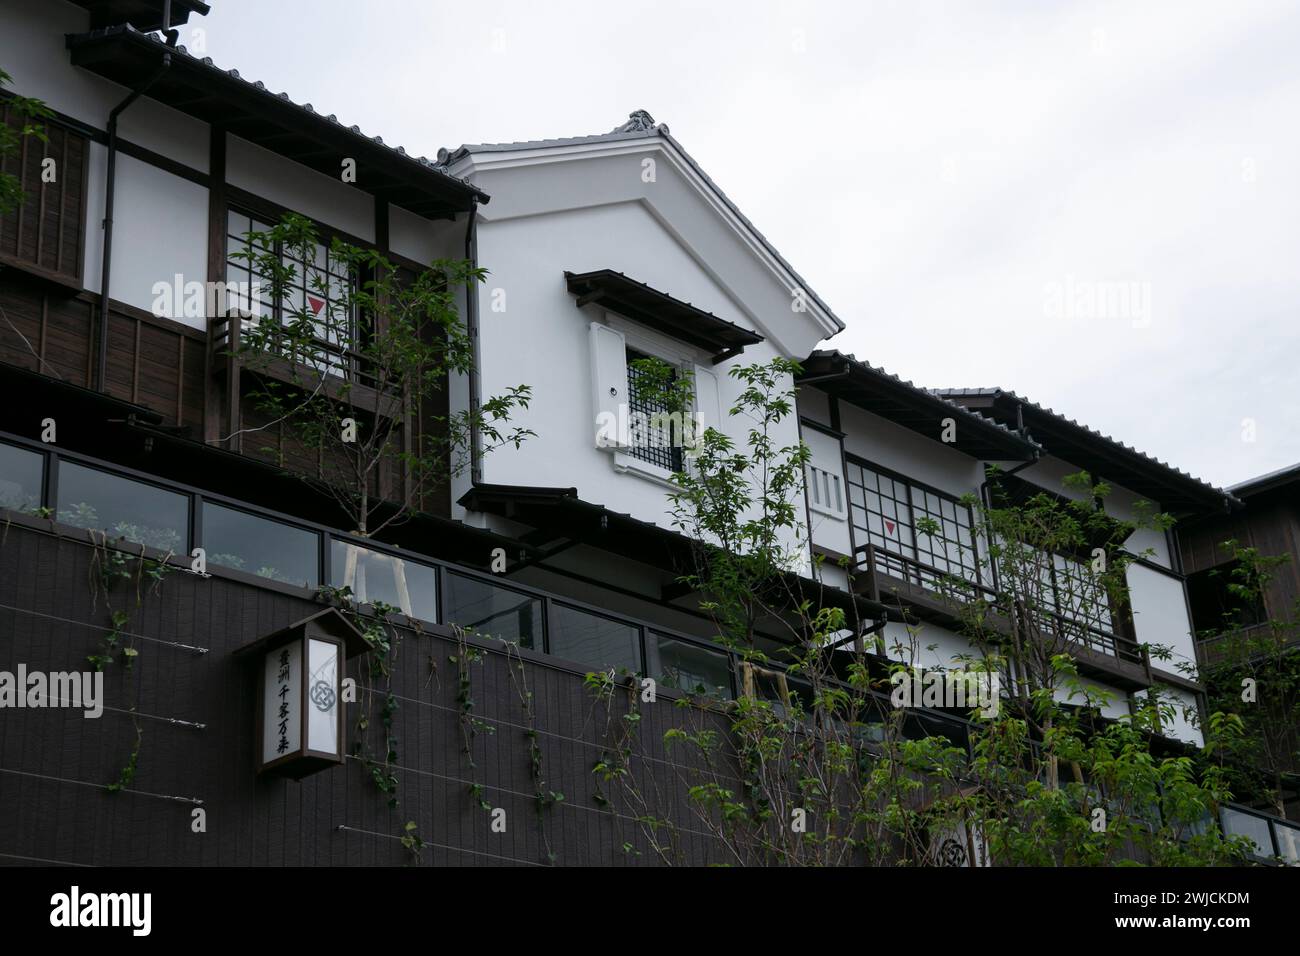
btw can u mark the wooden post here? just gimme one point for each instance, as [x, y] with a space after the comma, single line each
[216, 273]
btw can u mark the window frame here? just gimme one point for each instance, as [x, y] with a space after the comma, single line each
[556, 604]
[446, 572]
[55, 465]
[348, 364]
[203, 501]
[53, 456]
[912, 485]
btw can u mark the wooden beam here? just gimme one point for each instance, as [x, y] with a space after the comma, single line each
[217, 200]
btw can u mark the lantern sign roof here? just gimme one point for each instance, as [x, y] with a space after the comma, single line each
[329, 621]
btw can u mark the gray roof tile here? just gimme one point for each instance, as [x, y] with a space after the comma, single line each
[995, 392]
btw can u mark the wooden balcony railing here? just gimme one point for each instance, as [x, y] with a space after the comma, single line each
[876, 569]
[228, 333]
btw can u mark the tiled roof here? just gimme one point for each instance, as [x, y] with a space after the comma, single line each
[1266, 482]
[929, 397]
[994, 392]
[259, 86]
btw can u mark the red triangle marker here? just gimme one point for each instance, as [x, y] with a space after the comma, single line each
[315, 303]
[889, 526]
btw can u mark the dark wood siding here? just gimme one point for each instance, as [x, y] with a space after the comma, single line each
[47, 231]
[54, 763]
[1270, 523]
[153, 362]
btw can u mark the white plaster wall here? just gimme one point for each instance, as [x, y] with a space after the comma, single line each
[1159, 603]
[294, 186]
[160, 230]
[1113, 701]
[902, 450]
[742, 274]
[541, 339]
[96, 169]
[925, 645]
[828, 530]
[831, 574]
[938, 647]
[33, 52]
[1183, 726]
[1121, 504]
[1049, 473]
[160, 221]
[1160, 614]
[814, 404]
[424, 239]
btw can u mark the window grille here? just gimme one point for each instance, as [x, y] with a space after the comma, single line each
[321, 289]
[654, 431]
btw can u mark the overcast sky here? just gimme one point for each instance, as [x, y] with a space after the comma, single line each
[1095, 205]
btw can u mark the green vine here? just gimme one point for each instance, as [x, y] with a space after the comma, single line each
[613, 771]
[470, 726]
[543, 797]
[413, 842]
[382, 642]
[110, 567]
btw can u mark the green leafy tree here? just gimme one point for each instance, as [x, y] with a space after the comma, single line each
[355, 349]
[814, 765]
[1252, 676]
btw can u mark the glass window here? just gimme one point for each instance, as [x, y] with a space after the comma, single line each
[1236, 823]
[1080, 596]
[886, 511]
[679, 665]
[1288, 841]
[21, 473]
[269, 549]
[486, 608]
[775, 686]
[374, 576]
[123, 508]
[594, 640]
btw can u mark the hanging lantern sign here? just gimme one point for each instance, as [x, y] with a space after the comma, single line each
[300, 694]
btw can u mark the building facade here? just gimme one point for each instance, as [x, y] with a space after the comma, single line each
[127, 427]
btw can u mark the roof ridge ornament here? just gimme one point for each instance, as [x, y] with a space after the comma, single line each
[639, 121]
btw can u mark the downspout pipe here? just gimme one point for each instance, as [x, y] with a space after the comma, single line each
[471, 328]
[106, 263]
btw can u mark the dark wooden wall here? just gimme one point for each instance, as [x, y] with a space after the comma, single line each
[47, 231]
[54, 763]
[162, 365]
[153, 362]
[1271, 523]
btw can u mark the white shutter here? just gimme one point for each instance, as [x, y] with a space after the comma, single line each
[708, 406]
[609, 386]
